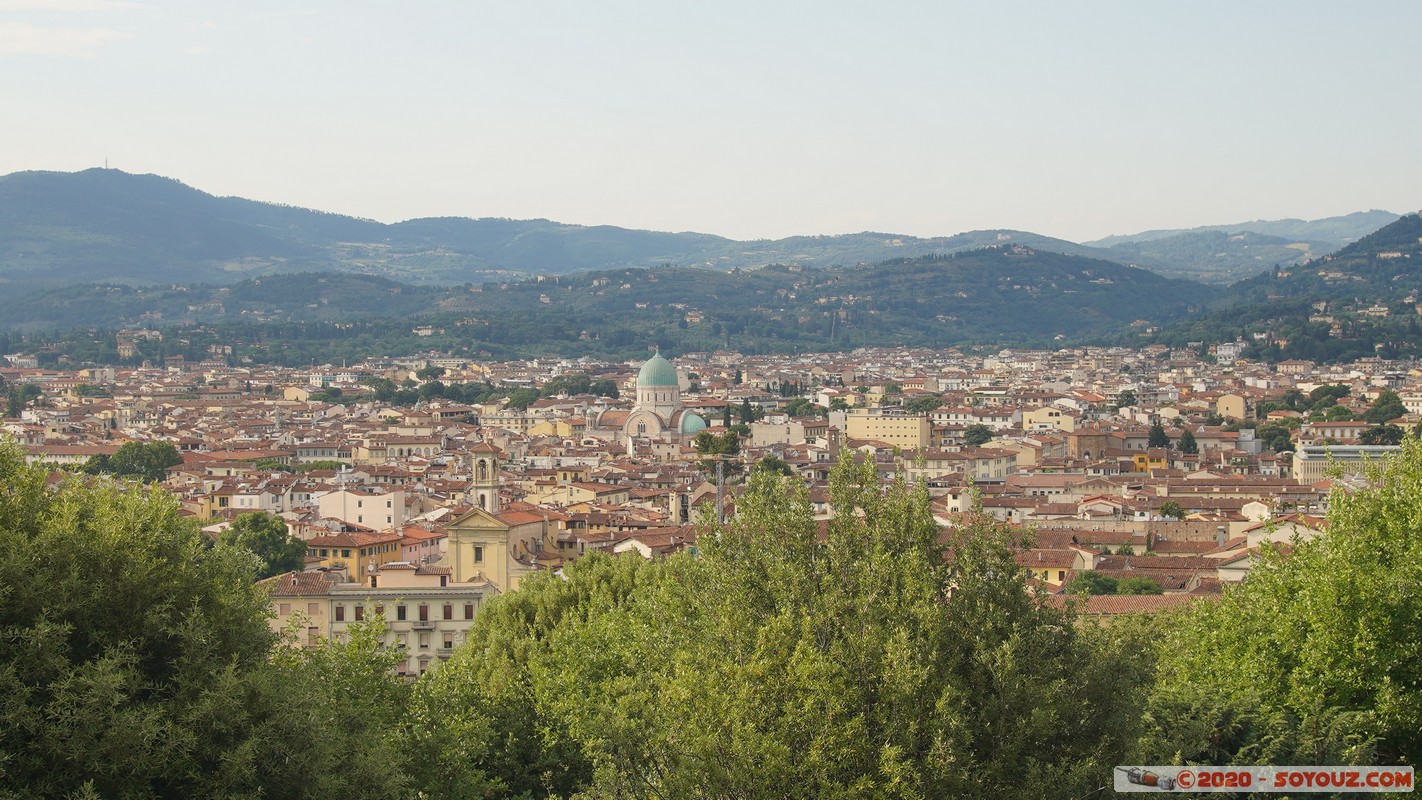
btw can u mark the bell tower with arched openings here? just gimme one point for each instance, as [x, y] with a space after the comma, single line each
[484, 487]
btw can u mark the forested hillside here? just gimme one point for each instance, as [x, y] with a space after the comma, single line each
[1360, 301]
[991, 296]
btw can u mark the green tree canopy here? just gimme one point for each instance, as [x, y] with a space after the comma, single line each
[146, 461]
[1314, 658]
[519, 399]
[1382, 434]
[1170, 508]
[1327, 395]
[1187, 443]
[1157, 436]
[778, 664]
[137, 663]
[266, 537]
[924, 403]
[800, 407]
[1089, 581]
[748, 413]
[19, 398]
[1334, 413]
[724, 446]
[1138, 586]
[604, 387]
[1276, 436]
[1387, 406]
[775, 464]
[977, 434]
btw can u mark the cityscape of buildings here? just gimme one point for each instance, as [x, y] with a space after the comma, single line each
[421, 513]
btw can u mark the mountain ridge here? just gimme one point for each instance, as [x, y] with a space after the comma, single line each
[105, 225]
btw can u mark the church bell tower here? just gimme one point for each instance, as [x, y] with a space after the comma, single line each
[484, 459]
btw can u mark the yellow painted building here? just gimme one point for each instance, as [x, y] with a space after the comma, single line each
[891, 426]
[360, 553]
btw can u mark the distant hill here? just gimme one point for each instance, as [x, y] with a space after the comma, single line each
[296, 297]
[1336, 231]
[1218, 257]
[1003, 294]
[111, 227]
[108, 226]
[1383, 267]
[1359, 301]
[1228, 253]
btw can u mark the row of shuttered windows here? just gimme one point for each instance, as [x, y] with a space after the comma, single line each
[401, 612]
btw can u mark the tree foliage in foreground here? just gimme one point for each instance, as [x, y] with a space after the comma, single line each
[137, 663]
[1316, 658]
[880, 661]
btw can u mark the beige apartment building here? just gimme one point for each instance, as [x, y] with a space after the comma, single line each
[426, 614]
[891, 426]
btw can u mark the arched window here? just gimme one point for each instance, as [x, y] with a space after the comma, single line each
[483, 471]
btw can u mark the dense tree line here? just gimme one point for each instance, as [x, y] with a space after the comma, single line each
[136, 662]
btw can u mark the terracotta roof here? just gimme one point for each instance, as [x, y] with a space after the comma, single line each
[1114, 604]
[299, 584]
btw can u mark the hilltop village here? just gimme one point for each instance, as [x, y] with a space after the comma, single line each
[1147, 464]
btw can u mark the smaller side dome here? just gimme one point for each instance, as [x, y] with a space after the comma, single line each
[692, 423]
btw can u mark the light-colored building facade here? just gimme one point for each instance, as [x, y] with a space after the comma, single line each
[426, 615]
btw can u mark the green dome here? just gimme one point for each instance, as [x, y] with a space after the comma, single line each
[657, 372]
[692, 423]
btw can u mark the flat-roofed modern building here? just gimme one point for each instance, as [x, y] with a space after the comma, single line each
[1312, 463]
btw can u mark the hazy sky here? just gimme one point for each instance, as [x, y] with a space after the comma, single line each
[759, 119]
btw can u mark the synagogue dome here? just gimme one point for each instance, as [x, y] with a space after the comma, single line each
[657, 372]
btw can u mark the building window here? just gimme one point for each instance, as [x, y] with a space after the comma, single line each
[478, 554]
[359, 613]
[469, 611]
[340, 613]
[312, 609]
[345, 553]
[424, 613]
[448, 611]
[400, 612]
[285, 609]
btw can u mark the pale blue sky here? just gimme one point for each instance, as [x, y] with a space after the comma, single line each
[755, 119]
